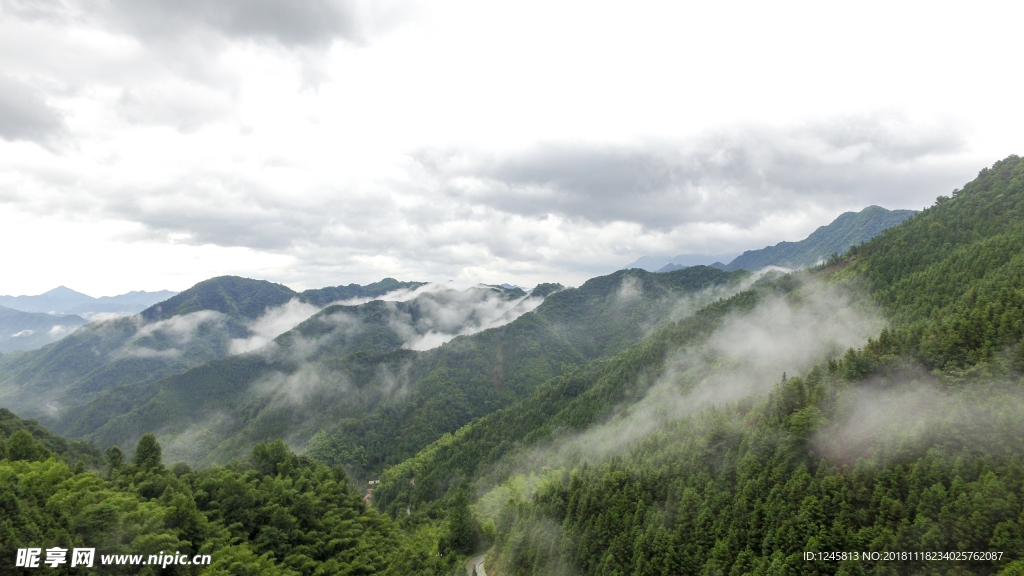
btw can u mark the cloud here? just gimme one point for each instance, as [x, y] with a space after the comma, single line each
[745, 357]
[25, 115]
[904, 419]
[197, 131]
[735, 176]
[438, 315]
[307, 23]
[571, 210]
[58, 331]
[185, 106]
[168, 338]
[311, 22]
[296, 387]
[273, 323]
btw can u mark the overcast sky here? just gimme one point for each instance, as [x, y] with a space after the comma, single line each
[150, 144]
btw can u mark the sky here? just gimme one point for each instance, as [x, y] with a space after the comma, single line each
[151, 144]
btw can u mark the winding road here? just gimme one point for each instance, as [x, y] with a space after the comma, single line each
[477, 562]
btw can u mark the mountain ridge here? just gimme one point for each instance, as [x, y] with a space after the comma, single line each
[64, 300]
[848, 229]
[30, 330]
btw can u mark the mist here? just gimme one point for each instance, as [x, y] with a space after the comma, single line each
[169, 337]
[273, 323]
[875, 422]
[745, 357]
[442, 314]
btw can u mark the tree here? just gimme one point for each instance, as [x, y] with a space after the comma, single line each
[21, 446]
[115, 457]
[147, 453]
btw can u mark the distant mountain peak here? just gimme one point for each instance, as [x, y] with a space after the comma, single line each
[65, 292]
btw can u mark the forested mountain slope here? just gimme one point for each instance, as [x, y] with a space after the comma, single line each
[30, 330]
[909, 444]
[190, 329]
[345, 383]
[27, 440]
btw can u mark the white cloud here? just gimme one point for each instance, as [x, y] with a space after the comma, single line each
[273, 323]
[745, 357]
[334, 142]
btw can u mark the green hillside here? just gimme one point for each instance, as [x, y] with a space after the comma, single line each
[26, 439]
[31, 330]
[342, 384]
[849, 229]
[188, 330]
[751, 485]
[237, 298]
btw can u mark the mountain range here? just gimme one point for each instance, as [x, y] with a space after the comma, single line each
[64, 301]
[698, 421]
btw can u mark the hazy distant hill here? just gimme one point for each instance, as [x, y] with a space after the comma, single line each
[678, 262]
[63, 300]
[30, 330]
[191, 328]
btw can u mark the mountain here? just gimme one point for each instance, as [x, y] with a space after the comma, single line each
[849, 229]
[31, 330]
[62, 300]
[325, 296]
[365, 386]
[894, 424]
[857, 417]
[671, 267]
[663, 263]
[209, 321]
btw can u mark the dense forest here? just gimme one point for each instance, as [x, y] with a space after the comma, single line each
[697, 422]
[271, 513]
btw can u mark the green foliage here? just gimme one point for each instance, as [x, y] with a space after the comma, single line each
[27, 440]
[147, 453]
[277, 513]
[357, 399]
[750, 488]
[573, 401]
[952, 278]
[910, 443]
